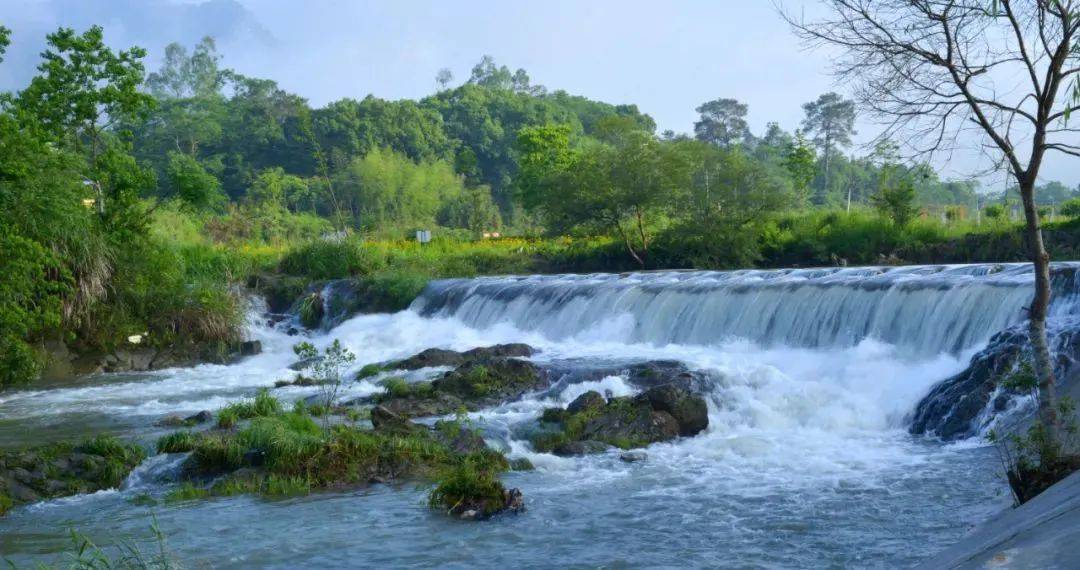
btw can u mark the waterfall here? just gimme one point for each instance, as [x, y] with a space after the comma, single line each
[922, 310]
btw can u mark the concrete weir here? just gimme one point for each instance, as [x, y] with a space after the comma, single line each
[1043, 533]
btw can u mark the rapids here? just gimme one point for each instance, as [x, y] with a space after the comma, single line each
[807, 461]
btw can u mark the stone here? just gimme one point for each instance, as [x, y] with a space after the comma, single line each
[511, 350]
[591, 400]
[458, 438]
[250, 347]
[579, 448]
[689, 410]
[385, 420]
[199, 418]
[634, 456]
[171, 420]
[429, 358]
[305, 363]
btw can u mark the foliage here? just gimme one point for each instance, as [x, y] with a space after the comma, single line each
[327, 368]
[1033, 461]
[470, 484]
[722, 123]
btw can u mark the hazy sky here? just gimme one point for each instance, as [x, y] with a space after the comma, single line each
[667, 57]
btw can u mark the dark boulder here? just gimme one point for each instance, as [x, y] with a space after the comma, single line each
[429, 358]
[580, 448]
[384, 420]
[591, 400]
[433, 357]
[250, 347]
[511, 350]
[491, 381]
[660, 414]
[689, 410]
[459, 438]
[629, 425]
[963, 405]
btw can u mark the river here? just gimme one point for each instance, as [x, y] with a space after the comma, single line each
[807, 461]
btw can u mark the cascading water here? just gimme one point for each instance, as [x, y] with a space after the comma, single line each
[924, 310]
[806, 463]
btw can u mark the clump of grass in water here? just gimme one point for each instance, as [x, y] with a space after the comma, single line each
[470, 485]
[264, 404]
[177, 442]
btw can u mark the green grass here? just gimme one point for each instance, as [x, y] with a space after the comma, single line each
[177, 442]
[472, 483]
[264, 404]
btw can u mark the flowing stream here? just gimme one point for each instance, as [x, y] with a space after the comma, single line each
[806, 463]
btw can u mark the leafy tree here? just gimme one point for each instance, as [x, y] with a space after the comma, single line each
[193, 184]
[5, 41]
[623, 188]
[84, 88]
[444, 77]
[800, 163]
[182, 76]
[722, 122]
[543, 151]
[830, 120]
[473, 209]
[386, 190]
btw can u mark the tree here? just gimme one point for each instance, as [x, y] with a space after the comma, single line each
[830, 120]
[621, 187]
[443, 78]
[936, 70]
[722, 122]
[800, 163]
[193, 184]
[5, 41]
[182, 76]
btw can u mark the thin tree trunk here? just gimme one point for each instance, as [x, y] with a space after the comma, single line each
[629, 246]
[1040, 304]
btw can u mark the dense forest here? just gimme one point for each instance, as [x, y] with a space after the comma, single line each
[132, 200]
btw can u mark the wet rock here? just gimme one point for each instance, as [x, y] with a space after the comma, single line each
[199, 418]
[655, 373]
[510, 350]
[591, 400]
[250, 347]
[438, 404]
[473, 385]
[441, 357]
[384, 420]
[963, 405]
[634, 456]
[172, 421]
[632, 426]
[689, 410]
[62, 469]
[459, 438]
[579, 448]
[305, 363]
[490, 381]
[626, 422]
[430, 358]
[521, 464]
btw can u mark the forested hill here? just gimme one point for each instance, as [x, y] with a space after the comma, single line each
[215, 130]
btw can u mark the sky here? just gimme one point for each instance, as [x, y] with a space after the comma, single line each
[666, 57]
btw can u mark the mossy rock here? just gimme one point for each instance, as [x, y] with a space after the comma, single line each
[65, 469]
[591, 425]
